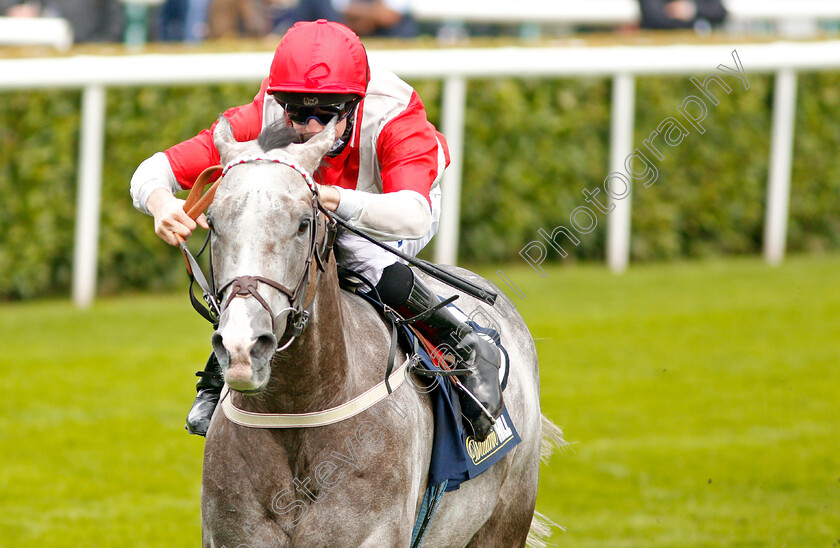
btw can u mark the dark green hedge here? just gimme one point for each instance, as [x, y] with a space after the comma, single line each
[532, 146]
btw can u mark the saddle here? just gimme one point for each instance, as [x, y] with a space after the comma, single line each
[456, 456]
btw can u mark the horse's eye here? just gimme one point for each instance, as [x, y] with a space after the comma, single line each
[304, 225]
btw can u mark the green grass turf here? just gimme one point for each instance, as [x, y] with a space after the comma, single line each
[700, 401]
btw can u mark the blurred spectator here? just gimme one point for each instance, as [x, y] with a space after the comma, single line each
[285, 13]
[681, 14]
[196, 23]
[237, 18]
[28, 9]
[92, 20]
[184, 20]
[390, 18]
[253, 18]
[173, 20]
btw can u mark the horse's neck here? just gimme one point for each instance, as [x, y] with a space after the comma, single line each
[313, 373]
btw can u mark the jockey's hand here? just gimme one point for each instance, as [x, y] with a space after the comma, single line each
[329, 197]
[171, 220]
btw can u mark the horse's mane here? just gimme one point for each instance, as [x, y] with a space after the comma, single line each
[276, 135]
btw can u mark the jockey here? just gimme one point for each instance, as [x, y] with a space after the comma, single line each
[382, 174]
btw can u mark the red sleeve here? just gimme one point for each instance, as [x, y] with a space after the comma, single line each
[407, 149]
[189, 158]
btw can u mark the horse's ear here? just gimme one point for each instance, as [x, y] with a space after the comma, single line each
[323, 142]
[223, 136]
[311, 152]
[225, 142]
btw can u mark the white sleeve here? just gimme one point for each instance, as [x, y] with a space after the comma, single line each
[152, 174]
[402, 215]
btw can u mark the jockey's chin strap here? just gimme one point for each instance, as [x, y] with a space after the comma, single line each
[247, 286]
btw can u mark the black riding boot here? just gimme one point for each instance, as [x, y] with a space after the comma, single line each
[454, 337]
[209, 388]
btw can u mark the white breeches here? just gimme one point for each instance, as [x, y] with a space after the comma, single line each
[369, 260]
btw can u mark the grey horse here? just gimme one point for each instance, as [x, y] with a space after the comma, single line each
[359, 481]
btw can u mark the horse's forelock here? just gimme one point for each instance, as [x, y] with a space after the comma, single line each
[276, 135]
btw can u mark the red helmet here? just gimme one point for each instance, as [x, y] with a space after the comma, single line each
[317, 58]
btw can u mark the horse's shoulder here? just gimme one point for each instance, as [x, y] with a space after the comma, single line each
[359, 310]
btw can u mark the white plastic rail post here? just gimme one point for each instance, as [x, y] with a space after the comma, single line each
[454, 103]
[88, 195]
[781, 156]
[621, 146]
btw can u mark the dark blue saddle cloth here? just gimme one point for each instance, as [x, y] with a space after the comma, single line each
[457, 456]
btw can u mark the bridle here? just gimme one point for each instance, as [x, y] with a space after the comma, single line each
[245, 286]
[248, 285]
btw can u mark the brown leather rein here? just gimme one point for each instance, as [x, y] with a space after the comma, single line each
[247, 286]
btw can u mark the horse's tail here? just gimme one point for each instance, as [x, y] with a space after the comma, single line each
[552, 438]
[541, 526]
[540, 531]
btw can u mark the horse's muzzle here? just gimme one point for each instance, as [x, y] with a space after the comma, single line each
[246, 366]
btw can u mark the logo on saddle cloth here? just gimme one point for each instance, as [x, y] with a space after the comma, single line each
[499, 437]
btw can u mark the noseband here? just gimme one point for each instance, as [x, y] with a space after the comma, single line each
[247, 286]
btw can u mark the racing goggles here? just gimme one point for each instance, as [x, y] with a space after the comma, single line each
[322, 114]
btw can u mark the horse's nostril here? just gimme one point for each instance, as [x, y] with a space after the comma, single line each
[264, 347]
[219, 349]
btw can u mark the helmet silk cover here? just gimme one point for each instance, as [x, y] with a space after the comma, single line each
[320, 57]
